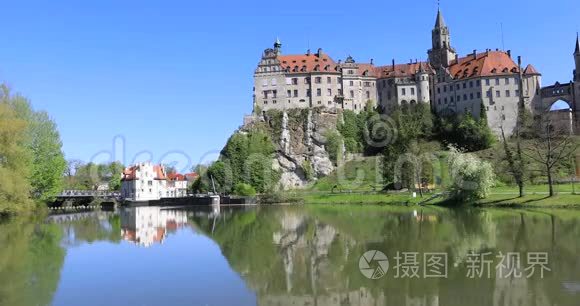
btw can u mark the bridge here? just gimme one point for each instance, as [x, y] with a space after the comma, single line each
[100, 194]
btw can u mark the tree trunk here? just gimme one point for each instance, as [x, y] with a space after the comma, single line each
[522, 190]
[550, 183]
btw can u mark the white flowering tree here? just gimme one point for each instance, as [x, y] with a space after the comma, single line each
[471, 178]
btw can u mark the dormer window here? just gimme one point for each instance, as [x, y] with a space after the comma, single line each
[493, 70]
[505, 70]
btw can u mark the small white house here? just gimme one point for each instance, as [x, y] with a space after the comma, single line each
[147, 182]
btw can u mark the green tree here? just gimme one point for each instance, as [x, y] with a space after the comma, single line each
[42, 141]
[14, 160]
[115, 171]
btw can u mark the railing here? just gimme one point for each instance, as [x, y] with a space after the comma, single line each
[88, 193]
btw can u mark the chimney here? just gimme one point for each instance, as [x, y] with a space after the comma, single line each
[308, 52]
[339, 61]
[393, 64]
[509, 53]
[371, 61]
[474, 53]
[320, 52]
[520, 61]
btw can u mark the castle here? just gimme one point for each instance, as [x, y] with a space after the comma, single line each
[489, 80]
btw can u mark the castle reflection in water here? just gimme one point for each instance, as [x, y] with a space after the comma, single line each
[146, 226]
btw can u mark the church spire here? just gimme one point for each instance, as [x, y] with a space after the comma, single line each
[439, 22]
[577, 51]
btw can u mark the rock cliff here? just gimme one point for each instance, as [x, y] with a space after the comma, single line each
[299, 135]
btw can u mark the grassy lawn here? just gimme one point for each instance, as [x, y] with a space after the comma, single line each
[533, 200]
[500, 197]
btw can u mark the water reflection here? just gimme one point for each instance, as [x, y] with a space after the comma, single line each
[282, 256]
[145, 226]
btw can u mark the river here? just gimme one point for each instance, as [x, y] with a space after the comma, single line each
[292, 255]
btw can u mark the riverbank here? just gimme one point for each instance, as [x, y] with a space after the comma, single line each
[536, 197]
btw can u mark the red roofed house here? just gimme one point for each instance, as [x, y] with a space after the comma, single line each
[146, 182]
[449, 83]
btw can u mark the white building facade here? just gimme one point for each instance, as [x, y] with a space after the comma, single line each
[148, 182]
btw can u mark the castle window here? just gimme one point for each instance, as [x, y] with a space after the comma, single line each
[328, 80]
[487, 82]
[471, 84]
[458, 98]
[264, 83]
[329, 92]
[308, 93]
[438, 90]
[412, 90]
[319, 102]
[329, 102]
[274, 93]
[351, 83]
[507, 93]
[403, 91]
[457, 86]
[478, 83]
[318, 80]
[306, 80]
[498, 93]
[465, 97]
[497, 81]
[464, 85]
[384, 83]
[368, 94]
[479, 95]
[294, 81]
[265, 102]
[444, 88]
[445, 100]
[295, 93]
[451, 99]
[489, 94]
[350, 71]
[340, 92]
[318, 92]
[471, 96]
[273, 101]
[265, 92]
[289, 93]
[507, 81]
[352, 93]
[517, 93]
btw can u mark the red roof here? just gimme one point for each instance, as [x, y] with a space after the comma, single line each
[176, 177]
[367, 69]
[530, 70]
[489, 63]
[402, 70]
[305, 63]
[191, 176]
[130, 173]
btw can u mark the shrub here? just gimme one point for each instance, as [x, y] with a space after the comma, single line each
[471, 178]
[244, 189]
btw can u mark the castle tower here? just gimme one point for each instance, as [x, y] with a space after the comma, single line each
[441, 53]
[422, 78]
[577, 60]
[278, 46]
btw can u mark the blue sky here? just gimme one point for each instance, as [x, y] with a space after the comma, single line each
[174, 78]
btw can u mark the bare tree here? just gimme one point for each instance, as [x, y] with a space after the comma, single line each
[514, 156]
[553, 146]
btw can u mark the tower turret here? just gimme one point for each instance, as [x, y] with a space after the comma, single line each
[422, 79]
[441, 53]
[278, 46]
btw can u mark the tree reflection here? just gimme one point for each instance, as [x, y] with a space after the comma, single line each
[30, 262]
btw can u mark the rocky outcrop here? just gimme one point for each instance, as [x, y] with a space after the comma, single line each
[301, 155]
